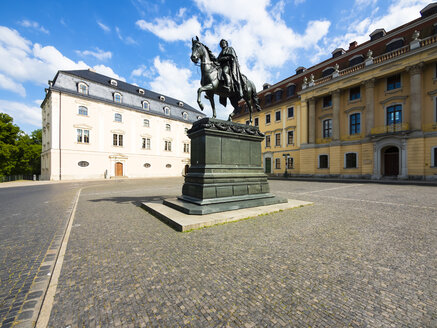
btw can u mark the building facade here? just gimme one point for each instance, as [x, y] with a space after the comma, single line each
[367, 112]
[96, 127]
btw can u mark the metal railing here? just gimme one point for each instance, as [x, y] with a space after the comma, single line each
[393, 128]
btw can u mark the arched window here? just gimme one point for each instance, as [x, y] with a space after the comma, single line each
[146, 105]
[327, 71]
[117, 97]
[291, 90]
[146, 123]
[82, 88]
[167, 127]
[166, 110]
[117, 117]
[83, 111]
[185, 115]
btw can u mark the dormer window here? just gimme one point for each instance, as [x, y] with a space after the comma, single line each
[300, 70]
[278, 95]
[117, 117]
[117, 97]
[376, 34]
[268, 98]
[394, 44]
[356, 60]
[291, 90]
[328, 71]
[180, 104]
[114, 83]
[146, 105]
[141, 91]
[185, 115]
[166, 110]
[199, 117]
[338, 52]
[162, 98]
[82, 88]
[429, 10]
[266, 86]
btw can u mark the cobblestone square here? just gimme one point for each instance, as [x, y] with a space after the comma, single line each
[364, 255]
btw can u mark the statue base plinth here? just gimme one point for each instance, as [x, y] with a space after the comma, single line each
[225, 172]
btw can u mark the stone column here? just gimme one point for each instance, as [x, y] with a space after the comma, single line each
[370, 104]
[416, 97]
[336, 115]
[312, 121]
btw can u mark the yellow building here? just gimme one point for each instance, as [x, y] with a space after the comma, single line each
[367, 112]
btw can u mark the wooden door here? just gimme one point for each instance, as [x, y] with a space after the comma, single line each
[118, 169]
[268, 165]
[391, 162]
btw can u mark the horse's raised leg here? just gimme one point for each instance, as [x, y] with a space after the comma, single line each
[199, 92]
[210, 96]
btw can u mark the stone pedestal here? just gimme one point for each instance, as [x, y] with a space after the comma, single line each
[226, 172]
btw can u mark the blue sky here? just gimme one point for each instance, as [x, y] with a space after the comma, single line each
[149, 42]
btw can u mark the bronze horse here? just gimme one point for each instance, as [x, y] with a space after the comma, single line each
[212, 85]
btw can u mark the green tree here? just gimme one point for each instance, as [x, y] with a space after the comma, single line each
[19, 153]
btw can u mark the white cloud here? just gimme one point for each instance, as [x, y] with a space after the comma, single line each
[7, 83]
[99, 54]
[104, 27]
[105, 70]
[169, 30]
[34, 25]
[127, 40]
[298, 2]
[21, 61]
[22, 112]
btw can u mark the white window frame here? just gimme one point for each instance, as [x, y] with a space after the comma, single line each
[118, 115]
[167, 145]
[292, 131]
[146, 123]
[185, 115]
[323, 124]
[280, 115]
[290, 117]
[323, 168]
[166, 110]
[79, 88]
[276, 139]
[146, 105]
[287, 160]
[186, 147]
[391, 105]
[167, 127]
[115, 97]
[356, 155]
[82, 136]
[349, 123]
[146, 143]
[114, 82]
[78, 110]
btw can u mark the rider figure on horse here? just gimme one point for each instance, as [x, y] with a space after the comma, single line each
[230, 68]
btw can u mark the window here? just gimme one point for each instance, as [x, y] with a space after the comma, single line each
[83, 111]
[323, 161]
[277, 163]
[186, 147]
[146, 123]
[82, 88]
[146, 105]
[277, 139]
[185, 115]
[394, 44]
[327, 128]
[290, 137]
[290, 162]
[267, 118]
[394, 114]
[256, 121]
[166, 110]
[117, 117]
[180, 104]
[267, 141]
[278, 95]
[394, 82]
[247, 122]
[186, 130]
[290, 112]
[354, 123]
[327, 101]
[117, 140]
[141, 91]
[278, 115]
[167, 145]
[328, 71]
[350, 160]
[83, 136]
[356, 60]
[114, 83]
[434, 157]
[268, 98]
[145, 143]
[291, 90]
[354, 93]
[167, 127]
[162, 98]
[117, 97]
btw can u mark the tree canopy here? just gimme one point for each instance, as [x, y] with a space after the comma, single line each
[19, 152]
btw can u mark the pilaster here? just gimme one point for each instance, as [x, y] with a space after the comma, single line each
[416, 96]
[312, 121]
[370, 104]
[336, 115]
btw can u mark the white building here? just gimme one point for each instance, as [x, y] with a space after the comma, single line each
[98, 127]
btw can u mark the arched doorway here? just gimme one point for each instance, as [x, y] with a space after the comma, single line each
[118, 169]
[391, 161]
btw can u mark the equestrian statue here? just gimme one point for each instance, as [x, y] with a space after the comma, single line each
[221, 76]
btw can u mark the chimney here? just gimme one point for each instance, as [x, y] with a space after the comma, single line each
[352, 45]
